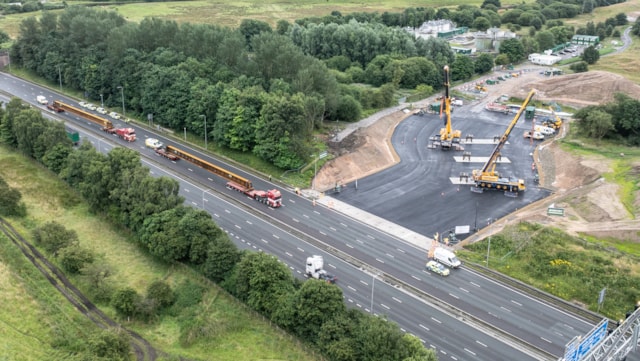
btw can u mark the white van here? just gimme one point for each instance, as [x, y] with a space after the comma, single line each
[446, 257]
[42, 99]
[544, 130]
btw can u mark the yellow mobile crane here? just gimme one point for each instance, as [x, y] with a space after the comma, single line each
[487, 177]
[447, 136]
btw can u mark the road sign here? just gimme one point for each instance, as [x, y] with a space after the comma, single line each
[593, 339]
[322, 155]
[555, 211]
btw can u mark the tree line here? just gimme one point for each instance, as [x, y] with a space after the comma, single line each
[618, 120]
[261, 91]
[118, 187]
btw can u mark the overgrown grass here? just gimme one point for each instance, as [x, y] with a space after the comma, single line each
[34, 316]
[239, 333]
[572, 268]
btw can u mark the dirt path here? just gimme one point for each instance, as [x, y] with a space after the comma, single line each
[591, 204]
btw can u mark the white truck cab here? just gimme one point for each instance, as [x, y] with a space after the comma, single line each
[42, 99]
[446, 257]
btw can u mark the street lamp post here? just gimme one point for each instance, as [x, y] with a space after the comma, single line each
[60, 77]
[373, 284]
[205, 130]
[101, 101]
[122, 96]
[185, 134]
[489, 243]
[315, 172]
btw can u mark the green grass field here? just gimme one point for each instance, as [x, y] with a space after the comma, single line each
[33, 310]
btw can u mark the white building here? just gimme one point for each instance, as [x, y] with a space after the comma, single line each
[543, 59]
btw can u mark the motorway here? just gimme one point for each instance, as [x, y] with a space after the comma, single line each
[299, 229]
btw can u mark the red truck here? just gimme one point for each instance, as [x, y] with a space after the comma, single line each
[128, 134]
[271, 197]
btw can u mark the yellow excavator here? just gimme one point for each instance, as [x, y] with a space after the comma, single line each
[488, 177]
[554, 123]
[447, 136]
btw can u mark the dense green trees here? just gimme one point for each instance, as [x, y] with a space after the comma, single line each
[617, 120]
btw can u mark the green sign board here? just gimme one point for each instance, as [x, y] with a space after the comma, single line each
[555, 211]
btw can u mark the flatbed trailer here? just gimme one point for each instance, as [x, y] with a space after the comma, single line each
[272, 198]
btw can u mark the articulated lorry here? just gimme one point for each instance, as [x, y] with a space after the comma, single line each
[315, 269]
[128, 134]
[272, 197]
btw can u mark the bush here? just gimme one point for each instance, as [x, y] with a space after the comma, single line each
[53, 237]
[579, 67]
[161, 294]
[110, 344]
[74, 258]
[125, 301]
[10, 204]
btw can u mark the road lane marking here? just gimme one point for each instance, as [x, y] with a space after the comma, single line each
[379, 260]
[249, 222]
[264, 240]
[333, 229]
[352, 289]
[385, 306]
[475, 284]
[288, 254]
[364, 283]
[370, 236]
[469, 351]
[480, 343]
[295, 220]
[390, 255]
[322, 233]
[397, 300]
[300, 249]
[517, 303]
[344, 225]
[275, 236]
[238, 226]
[400, 250]
[454, 296]
[423, 326]
[348, 245]
[332, 266]
[546, 340]
[463, 290]
[436, 320]
[506, 309]
[416, 278]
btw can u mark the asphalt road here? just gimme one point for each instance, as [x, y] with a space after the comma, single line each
[253, 225]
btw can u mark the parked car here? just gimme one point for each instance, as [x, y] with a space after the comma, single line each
[114, 115]
[101, 110]
[83, 104]
[153, 143]
[91, 106]
[438, 268]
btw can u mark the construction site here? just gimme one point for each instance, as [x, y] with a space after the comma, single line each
[391, 169]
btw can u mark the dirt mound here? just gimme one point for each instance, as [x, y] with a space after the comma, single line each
[582, 89]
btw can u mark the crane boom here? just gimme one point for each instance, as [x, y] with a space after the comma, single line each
[487, 177]
[447, 135]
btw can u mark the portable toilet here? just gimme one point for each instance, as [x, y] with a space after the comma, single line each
[529, 112]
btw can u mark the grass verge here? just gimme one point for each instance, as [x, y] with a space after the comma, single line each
[236, 333]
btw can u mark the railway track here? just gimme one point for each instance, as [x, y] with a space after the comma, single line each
[141, 347]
